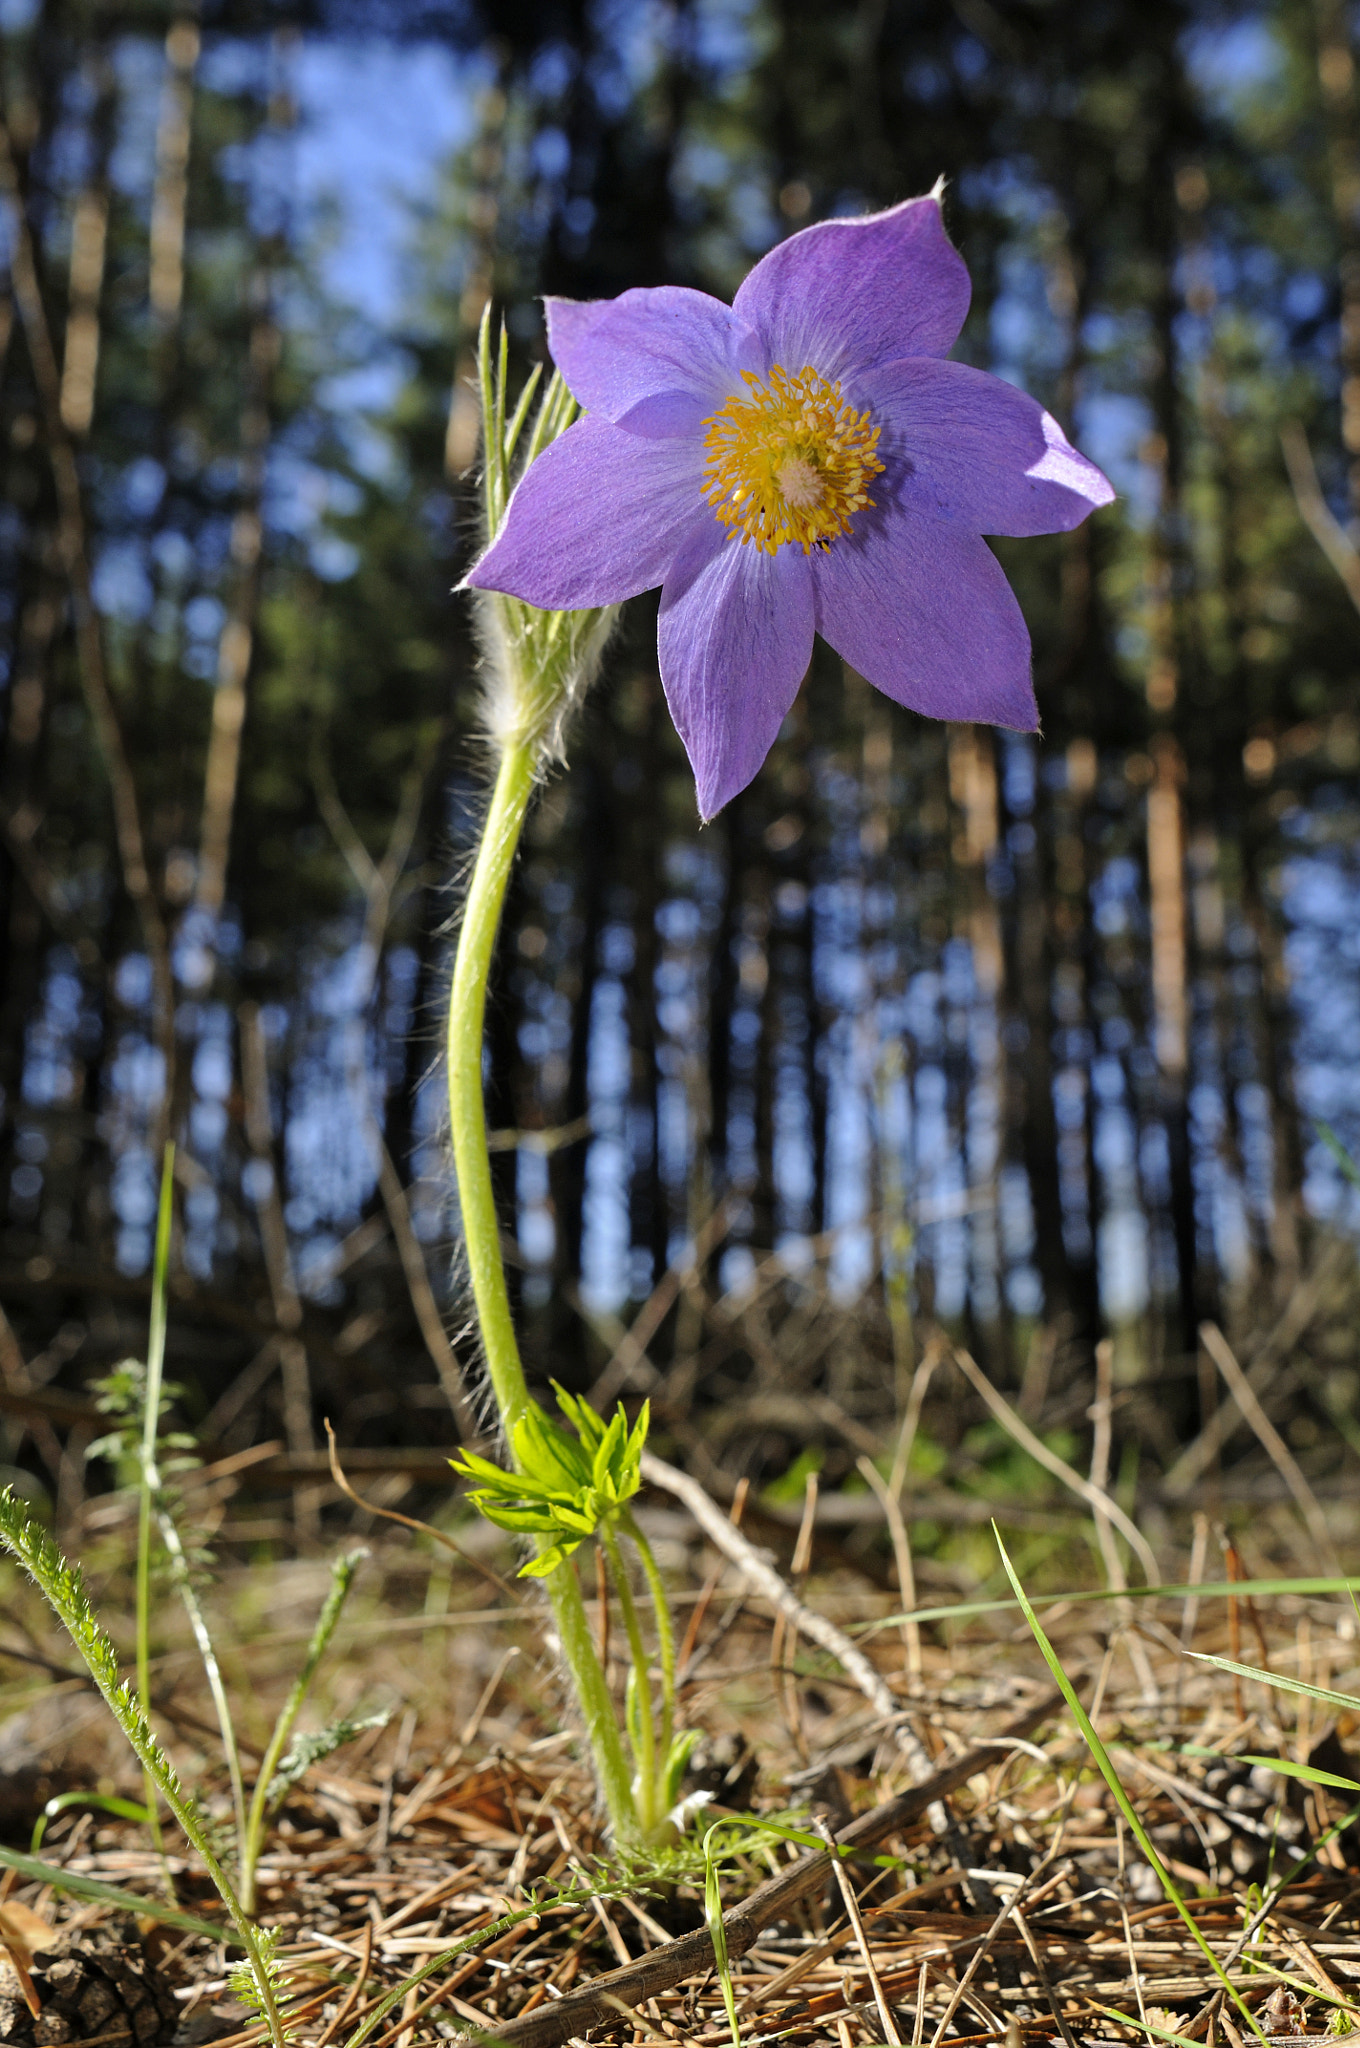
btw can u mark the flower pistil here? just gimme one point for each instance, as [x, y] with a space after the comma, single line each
[791, 462]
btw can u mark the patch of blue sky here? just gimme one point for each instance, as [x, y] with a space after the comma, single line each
[638, 35]
[752, 216]
[120, 583]
[1111, 428]
[1233, 61]
[377, 126]
[1305, 295]
[139, 63]
[552, 70]
[1009, 186]
[724, 37]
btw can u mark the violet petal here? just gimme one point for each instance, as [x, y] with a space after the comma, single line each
[735, 638]
[597, 517]
[848, 294]
[968, 447]
[924, 612]
[614, 353]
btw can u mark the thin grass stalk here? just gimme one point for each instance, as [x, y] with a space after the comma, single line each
[146, 1489]
[342, 1578]
[151, 1503]
[1105, 1764]
[179, 1566]
[94, 1891]
[1224, 1589]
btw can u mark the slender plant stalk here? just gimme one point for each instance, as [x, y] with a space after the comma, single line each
[592, 1697]
[342, 1578]
[538, 664]
[212, 1670]
[481, 1235]
[150, 1492]
[642, 1725]
[665, 1636]
[146, 1489]
[467, 1108]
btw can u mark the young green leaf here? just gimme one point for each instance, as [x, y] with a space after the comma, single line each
[1309, 1773]
[102, 1802]
[1347, 1700]
[34, 1871]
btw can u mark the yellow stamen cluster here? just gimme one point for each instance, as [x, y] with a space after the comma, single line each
[790, 463]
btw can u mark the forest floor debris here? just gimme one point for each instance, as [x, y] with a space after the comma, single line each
[1028, 1914]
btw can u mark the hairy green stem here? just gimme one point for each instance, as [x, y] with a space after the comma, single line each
[665, 1635]
[467, 1104]
[481, 1235]
[645, 1736]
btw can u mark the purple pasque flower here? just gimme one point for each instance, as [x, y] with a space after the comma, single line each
[804, 460]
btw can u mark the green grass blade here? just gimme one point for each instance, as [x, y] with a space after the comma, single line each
[1347, 1700]
[1130, 2019]
[717, 1933]
[34, 1871]
[1108, 1772]
[747, 1835]
[103, 1802]
[1304, 1986]
[1307, 1772]
[1265, 1589]
[152, 1505]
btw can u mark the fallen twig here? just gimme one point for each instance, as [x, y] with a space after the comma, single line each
[690, 1954]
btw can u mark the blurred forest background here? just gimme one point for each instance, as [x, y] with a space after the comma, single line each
[1028, 1037]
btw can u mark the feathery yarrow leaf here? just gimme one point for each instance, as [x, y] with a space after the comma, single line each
[63, 1585]
[307, 1750]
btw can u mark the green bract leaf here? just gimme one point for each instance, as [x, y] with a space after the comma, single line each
[548, 1560]
[515, 1515]
[588, 1425]
[565, 1487]
[546, 1453]
[606, 1461]
[469, 1466]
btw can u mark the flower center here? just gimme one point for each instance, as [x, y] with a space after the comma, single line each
[791, 462]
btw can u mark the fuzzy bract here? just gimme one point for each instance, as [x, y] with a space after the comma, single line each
[803, 461]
